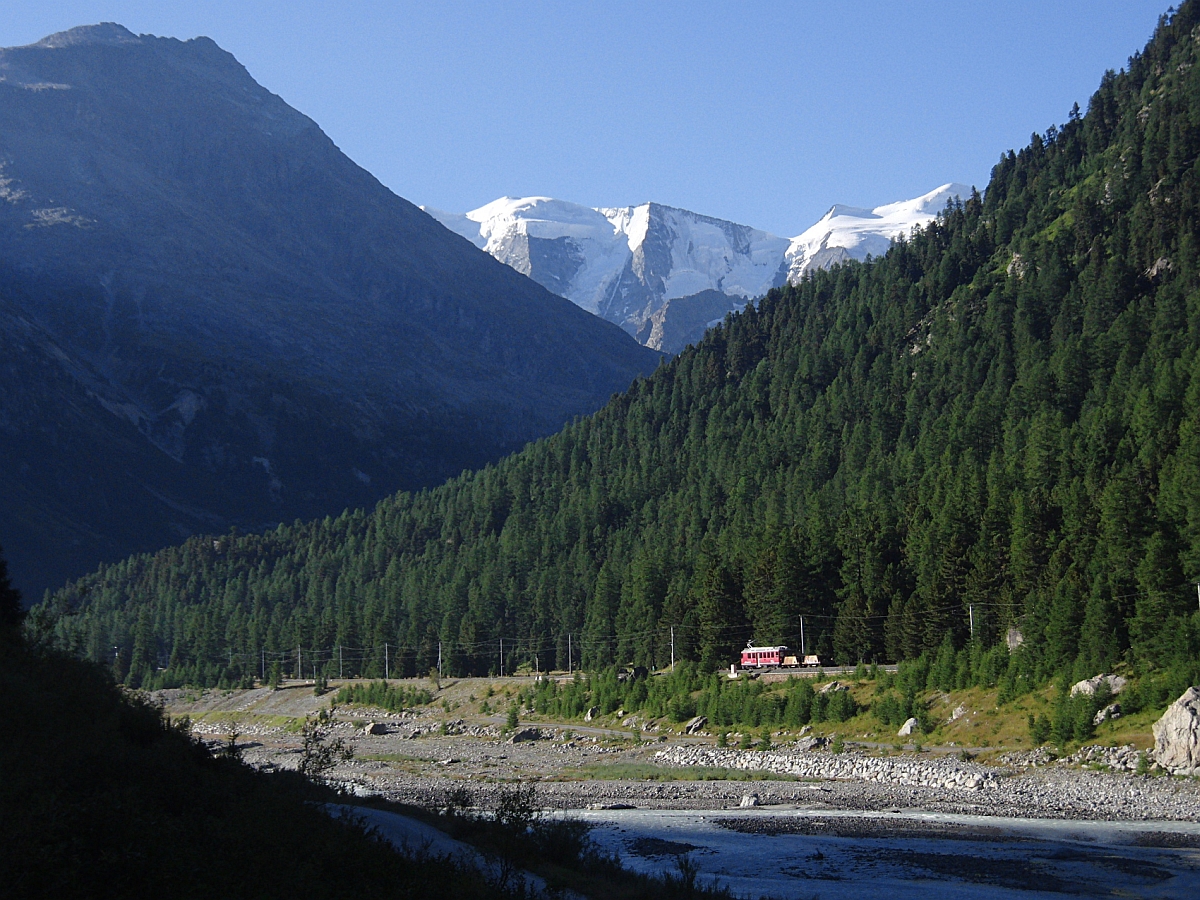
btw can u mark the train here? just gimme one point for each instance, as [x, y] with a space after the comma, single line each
[776, 657]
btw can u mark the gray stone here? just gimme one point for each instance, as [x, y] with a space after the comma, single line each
[592, 713]
[525, 734]
[907, 728]
[1112, 711]
[1177, 735]
[375, 728]
[695, 725]
[749, 800]
[832, 688]
[1115, 683]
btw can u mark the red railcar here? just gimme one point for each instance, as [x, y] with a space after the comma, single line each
[759, 657]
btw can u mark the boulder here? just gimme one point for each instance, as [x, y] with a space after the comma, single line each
[907, 728]
[1115, 683]
[592, 713]
[695, 725]
[525, 734]
[832, 688]
[749, 800]
[1177, 735]
[375, 728]
[1112, 711]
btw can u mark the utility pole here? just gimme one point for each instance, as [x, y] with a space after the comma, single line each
[501, 657]
[971, 613]
[802, 649]
[387, 666]
[672, 648]
[264, 665]
[439, 659]
[1197, 584]
[571, 671]
[299, 671]
[339, 662]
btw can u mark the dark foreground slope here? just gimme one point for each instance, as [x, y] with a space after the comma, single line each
[997, 424]
[210, 316]
[104, 797]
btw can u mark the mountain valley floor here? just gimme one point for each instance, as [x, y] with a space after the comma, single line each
[796, 819]
[422, 754]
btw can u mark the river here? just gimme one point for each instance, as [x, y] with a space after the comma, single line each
[898, 855]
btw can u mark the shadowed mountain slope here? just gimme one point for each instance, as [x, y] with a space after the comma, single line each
[211, 316]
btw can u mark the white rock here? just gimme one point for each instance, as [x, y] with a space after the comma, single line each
[749, 800]
[1177, 735]
[907, 728]
[1115, 683]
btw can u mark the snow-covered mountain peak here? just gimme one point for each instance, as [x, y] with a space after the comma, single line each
[622, 263]
[847, 232]
[628, 264]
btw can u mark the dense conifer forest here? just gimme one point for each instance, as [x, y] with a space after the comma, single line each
[995, 425]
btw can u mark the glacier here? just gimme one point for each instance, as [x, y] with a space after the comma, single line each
[847, 232]
[634, 265]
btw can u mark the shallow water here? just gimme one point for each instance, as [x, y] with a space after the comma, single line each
[898, 855]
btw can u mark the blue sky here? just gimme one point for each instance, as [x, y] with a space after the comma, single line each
[762, 113]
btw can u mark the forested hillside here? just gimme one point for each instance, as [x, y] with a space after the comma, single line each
[996, 424]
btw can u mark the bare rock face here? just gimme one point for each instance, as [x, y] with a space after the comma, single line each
[1177, 735]
[907, 728]
[522, 735]
[811, 743]
[695, 725]
[1089, 686]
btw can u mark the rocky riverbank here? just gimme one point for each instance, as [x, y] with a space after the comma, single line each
[426, 755]
[946, 784]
